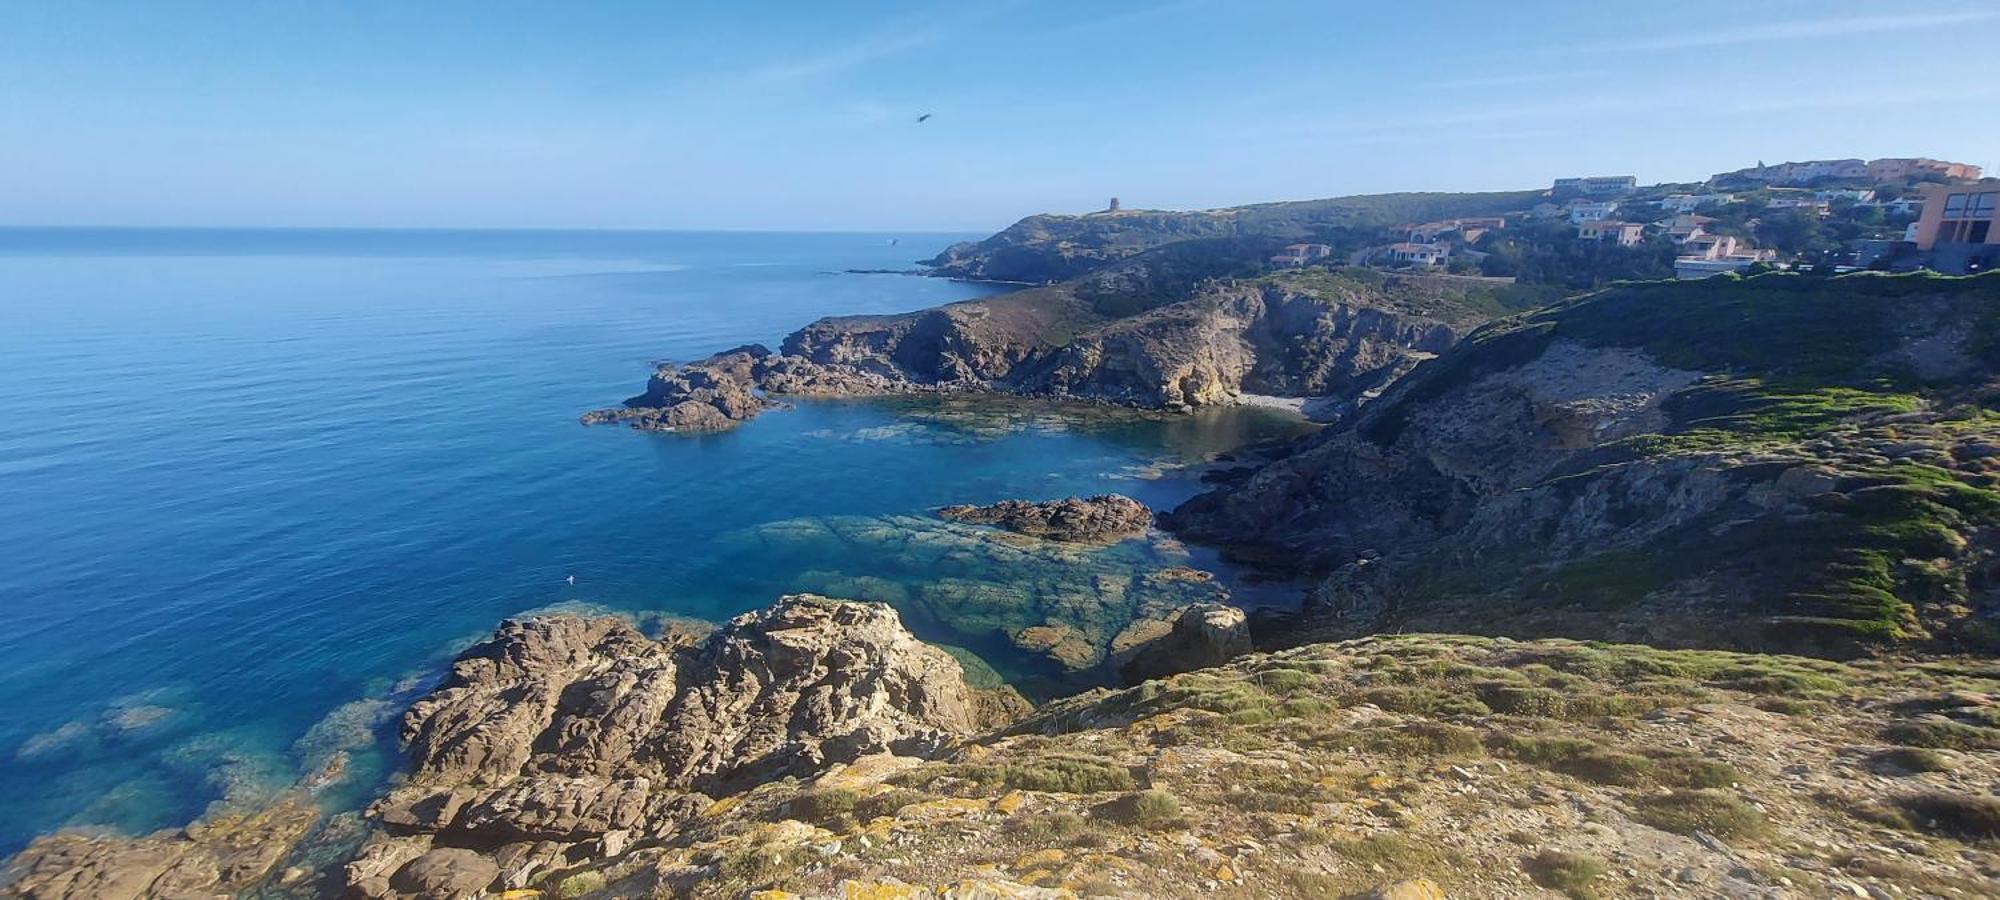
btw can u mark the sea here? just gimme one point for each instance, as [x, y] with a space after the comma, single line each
[257, 487]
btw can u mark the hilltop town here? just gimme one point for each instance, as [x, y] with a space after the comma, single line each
[1895, 214]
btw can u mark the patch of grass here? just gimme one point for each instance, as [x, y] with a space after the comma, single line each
[1683, 771]
[1152, 809]
[1427, 701]
[1425, 739]
[1609, 580]
[886, 803]
[579, 885]
[1686, 812]
[1962, 816]
[1787, 706]
[1395, 854]
[1913, 759]
[1942, 736]
[1523, 700]
[1057, 774]
[1574, 874]
[1056, 827]
[827, 807]
[1268, 801]
[1607, 767]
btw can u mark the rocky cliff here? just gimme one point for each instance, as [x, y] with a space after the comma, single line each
[1773, 462]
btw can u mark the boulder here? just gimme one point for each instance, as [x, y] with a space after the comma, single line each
[1203, 636]
[1103, 518]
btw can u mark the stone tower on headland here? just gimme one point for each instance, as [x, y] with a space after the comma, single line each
[1113, 207]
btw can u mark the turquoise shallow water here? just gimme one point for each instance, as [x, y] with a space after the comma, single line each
[252, 483]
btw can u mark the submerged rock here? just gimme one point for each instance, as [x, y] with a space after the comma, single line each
[1104, 517]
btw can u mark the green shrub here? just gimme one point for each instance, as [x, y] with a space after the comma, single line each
[886, 803]
[1571, 873]
[1694, 772]
[1143, 809]
[1054, 827]
[1393, 854]
[579, 885]
[826, 807]
[1686, 812]
[1059, 774]
[1425, 739]
[1607, 767]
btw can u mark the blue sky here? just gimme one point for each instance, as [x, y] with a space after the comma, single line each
[803, 115]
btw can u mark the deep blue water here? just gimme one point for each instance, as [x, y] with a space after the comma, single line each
[252, 481]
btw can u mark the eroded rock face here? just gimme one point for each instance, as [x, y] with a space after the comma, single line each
[1105, 517]
[564, 734]
[1557, 475]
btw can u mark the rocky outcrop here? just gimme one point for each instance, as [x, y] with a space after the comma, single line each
[220, 855]
[1105, 517]
[565, 736]
[707, 395]
[1202, 637]
[1704, 464]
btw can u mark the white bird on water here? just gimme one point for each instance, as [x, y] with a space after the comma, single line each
[571, 579]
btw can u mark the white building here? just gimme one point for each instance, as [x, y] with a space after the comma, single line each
[1418, 254]
[1582, 212]
[1687, 203]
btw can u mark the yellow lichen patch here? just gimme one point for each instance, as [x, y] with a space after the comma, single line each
[942, 808]
[754, 895]
[533, 894]
[1010, 802]
[1041, 859]
[721, 807]
[1225, 873]
[881, 890]
[997, 889]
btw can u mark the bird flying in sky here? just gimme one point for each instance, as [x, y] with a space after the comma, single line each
[924, 118]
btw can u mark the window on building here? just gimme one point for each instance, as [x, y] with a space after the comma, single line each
[1983, 205]
[1979, 232]
[1954, 205]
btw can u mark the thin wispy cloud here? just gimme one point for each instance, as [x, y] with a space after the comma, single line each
[889, 40]
[1797, 31]
[1491, 81]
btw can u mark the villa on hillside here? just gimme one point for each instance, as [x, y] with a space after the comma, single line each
[1626, 234]
[1582, 212]
[1415, 254]
[1300, 254]
[1682, 228]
